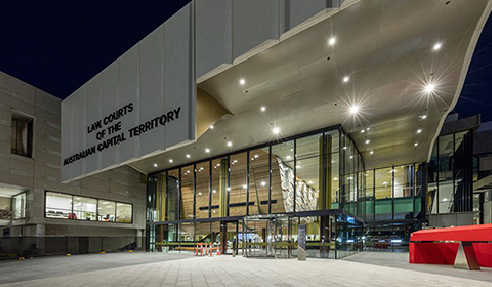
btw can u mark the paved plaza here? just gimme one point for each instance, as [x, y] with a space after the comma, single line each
[147, 269]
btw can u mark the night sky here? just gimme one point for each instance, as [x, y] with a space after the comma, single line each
[59, 45]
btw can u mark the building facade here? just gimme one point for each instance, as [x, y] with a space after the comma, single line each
[34, 201]
[258, 127]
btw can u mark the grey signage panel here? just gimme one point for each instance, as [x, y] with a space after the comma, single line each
[301, 242]
[141, 105]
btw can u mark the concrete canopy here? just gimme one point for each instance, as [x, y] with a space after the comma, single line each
[385, 48]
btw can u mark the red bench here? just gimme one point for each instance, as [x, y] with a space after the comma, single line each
[464, 246]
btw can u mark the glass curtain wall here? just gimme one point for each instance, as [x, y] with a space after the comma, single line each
[296, 175]
[450, 174]
[393, 193]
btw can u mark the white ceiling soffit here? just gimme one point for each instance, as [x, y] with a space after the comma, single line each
[8, 190]
[385, 48]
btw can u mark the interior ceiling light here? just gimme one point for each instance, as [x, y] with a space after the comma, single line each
[170, 161]
[419, 131]
[245, 186]
[332, 41]
[276, 130]
[229, 144]
[423, 117]
[416, 144]
[371, 152]
[362, 131]
[430, 88]
[188, 156]
[346, 79]
[242, 81]
[262, 109]
[212, 127]
[263, 183]
[207, 150]
[354, 110]
[437, 46]
[155, 164]
[368, 141]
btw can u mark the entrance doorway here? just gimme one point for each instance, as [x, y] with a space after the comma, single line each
[268, 235]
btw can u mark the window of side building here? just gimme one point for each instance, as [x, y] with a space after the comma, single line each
[21, 134]
[75, 207]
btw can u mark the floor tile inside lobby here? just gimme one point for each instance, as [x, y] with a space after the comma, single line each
[144, 269]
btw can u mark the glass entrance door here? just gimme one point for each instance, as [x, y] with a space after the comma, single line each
[266, 236]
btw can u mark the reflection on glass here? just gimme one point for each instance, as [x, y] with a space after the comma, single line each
[258, 180]
[58, 205]
[202, 189]
[283, 177]
[84, 208]
[219, 193]
[19, 206]
[238, 184]
[123, 212]
[187, 192]
[106, 210]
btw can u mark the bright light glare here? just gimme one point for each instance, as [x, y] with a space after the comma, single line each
[155, 164]
[262, 109]
[276, 130]
[242, 81]
[207, 150]
[345, 79]
[188, 156]
[212, 127]
[332, 41]
[419, 131]
[229, 144]
[437, 46]
[354, 109]
[371, 152]
[170, 161]
[430, 88]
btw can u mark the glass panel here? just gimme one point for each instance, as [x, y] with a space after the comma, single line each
[309, 172]
[238, 182]
[172, 192]
[58, 205]
[187, 192]
[349, 235]
[446, 151]
[19, 206]
[258, 181]
[332, 141]
[84, 208]
[160, 213]
[186, 237]
[333, 181]
[106, 210]
[123, 212]
[404, 181]
[283, 177]
[383, 182]
[369, 195]
[6, 208]
[202, 189]
[219, 187]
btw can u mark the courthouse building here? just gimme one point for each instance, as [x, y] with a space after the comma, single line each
[242, 123]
